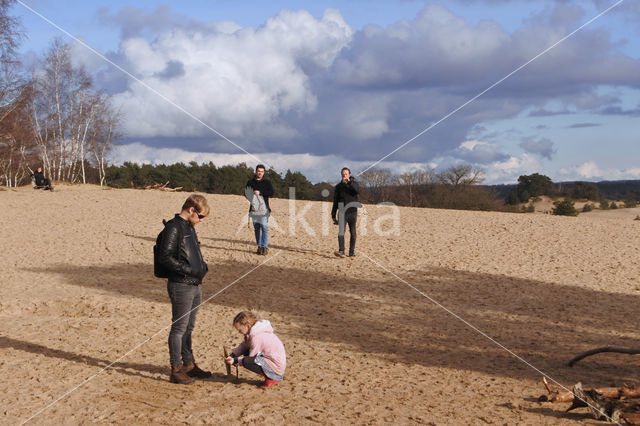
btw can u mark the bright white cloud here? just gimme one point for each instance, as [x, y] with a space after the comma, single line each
[509, 170]
[240, 83]
[591, 171]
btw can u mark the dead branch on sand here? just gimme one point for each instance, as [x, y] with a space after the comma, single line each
[610, 404]
[631, 351]
[163, 187]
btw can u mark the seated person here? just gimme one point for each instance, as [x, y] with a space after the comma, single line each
[41, 181]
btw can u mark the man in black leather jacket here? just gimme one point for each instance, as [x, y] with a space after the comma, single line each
[179, 253]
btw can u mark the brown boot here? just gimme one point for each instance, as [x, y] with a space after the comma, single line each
[178, 376]
[191, 369]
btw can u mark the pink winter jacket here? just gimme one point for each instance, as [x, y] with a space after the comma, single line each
[262, 339]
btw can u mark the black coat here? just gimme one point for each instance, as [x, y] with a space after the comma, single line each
[40, 179]
[264, 186]
[346, 193]
[182, 256]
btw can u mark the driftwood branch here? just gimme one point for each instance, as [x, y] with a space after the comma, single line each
[611, 404]
[625, 392]
[631, 351]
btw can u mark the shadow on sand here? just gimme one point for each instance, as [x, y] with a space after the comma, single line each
[545, 324]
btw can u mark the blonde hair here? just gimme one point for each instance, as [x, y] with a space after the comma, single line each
[246, 318]
[198, 202]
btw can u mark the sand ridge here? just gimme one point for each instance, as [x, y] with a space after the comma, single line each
[363, 345]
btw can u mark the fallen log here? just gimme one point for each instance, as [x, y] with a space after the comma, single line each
[631, 351]
[610, 404]
[625, 392]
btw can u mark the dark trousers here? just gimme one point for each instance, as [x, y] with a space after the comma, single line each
[249, 362]
[185, 300]
[350, 217]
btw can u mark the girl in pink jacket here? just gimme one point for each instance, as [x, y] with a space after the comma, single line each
[261, 352]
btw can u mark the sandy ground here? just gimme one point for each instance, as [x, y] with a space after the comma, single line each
[450, 320]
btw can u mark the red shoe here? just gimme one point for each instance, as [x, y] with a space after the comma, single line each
[268, 383]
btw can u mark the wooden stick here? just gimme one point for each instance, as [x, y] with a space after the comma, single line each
[226, 355]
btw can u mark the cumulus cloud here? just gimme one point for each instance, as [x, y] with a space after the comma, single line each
[304, 84]
[479, 152]
[542, 147]
[241, 83]
[590, 170]
[509, 170]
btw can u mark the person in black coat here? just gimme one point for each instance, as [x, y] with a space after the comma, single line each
[345, 206]
[261, 186]
[40, 180]
[180, 255]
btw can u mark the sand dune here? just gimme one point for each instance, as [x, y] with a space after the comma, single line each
[412, 330]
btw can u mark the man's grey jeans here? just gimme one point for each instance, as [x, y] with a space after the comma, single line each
[185, 300]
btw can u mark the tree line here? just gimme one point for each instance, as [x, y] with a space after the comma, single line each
[456, 187]
[535, 185]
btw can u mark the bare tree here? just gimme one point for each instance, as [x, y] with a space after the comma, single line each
[104, 132]
[461, 175]
[416, 178]
[68, 117]
[14, 92]
[16, 142]
[377, 182]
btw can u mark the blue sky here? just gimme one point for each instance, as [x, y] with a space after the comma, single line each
[313, 86]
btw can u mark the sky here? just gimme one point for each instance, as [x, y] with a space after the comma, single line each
[512, 87]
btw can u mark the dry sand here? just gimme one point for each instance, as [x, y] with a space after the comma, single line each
[374, 339]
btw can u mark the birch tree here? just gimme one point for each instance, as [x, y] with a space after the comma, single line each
[68, 116]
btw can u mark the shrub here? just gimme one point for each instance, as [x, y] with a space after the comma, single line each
[530, 208]
[587, 207]
[630, 204]
[564, 208]
[604, 205]
[613, 205]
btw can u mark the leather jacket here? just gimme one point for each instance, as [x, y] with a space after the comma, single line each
[182, 256]
[347, 195]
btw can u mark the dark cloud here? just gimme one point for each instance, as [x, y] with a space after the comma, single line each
[546, 113]
[173, 69]
[617, 110]
[136, 22]
[542, 147]
[479, 153]
[581, 125]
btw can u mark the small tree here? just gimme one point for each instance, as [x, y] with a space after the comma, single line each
[565, 207]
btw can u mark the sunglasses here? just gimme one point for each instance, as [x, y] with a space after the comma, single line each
[200, 216]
